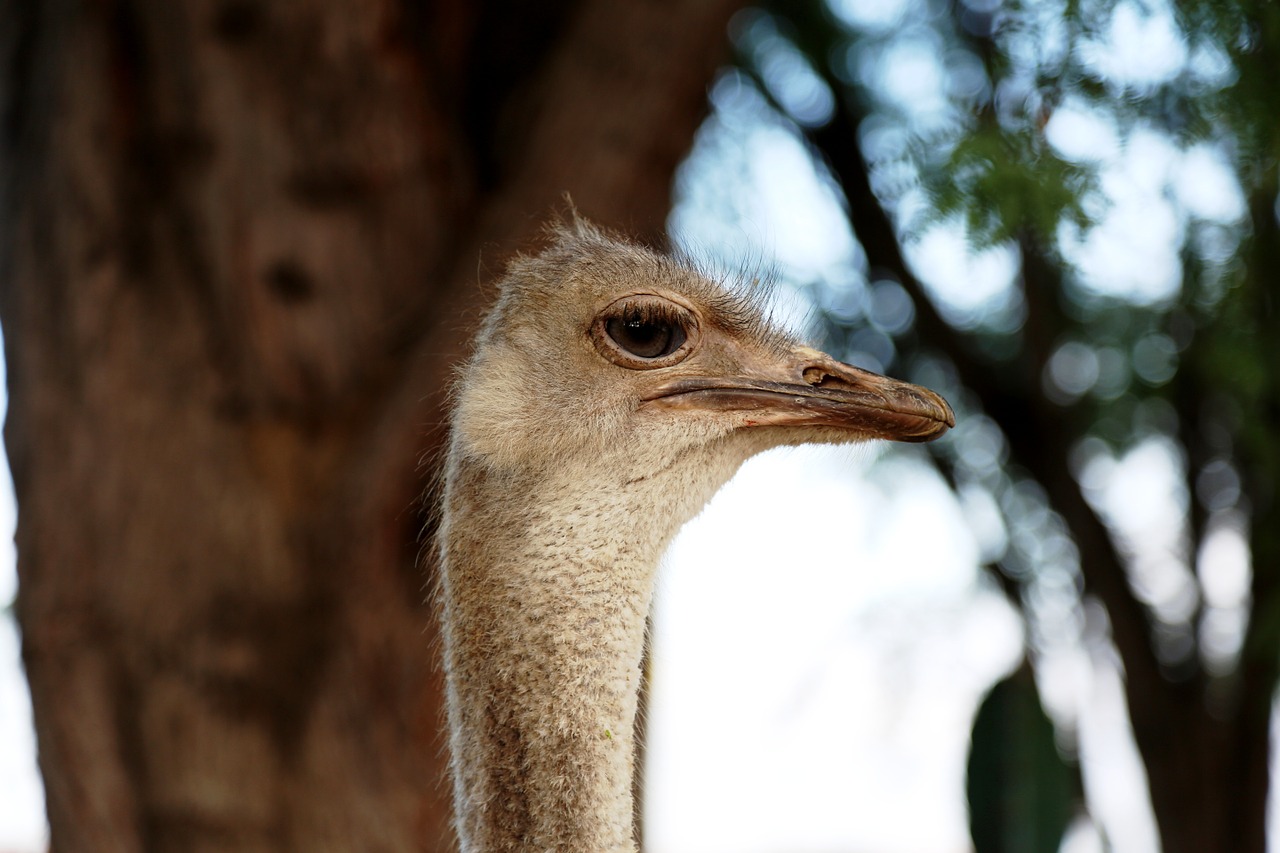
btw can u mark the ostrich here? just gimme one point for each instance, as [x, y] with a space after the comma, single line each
[611, 392]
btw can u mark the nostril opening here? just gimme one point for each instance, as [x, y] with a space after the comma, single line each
[819, 378]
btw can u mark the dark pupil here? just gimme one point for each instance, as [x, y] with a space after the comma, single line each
[645, 338]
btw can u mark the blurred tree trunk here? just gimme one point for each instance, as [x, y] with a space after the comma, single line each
[239, 250]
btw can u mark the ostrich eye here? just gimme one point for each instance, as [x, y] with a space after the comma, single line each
[645, 338]
[645, 331]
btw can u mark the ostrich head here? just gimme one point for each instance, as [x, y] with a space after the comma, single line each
[612, 391]
[599, 351]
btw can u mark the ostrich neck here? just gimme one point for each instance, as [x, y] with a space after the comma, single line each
[544, 598]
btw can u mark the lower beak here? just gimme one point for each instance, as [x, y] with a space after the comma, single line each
[811, 389]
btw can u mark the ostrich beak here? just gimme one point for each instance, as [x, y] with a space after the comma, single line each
[809, 388]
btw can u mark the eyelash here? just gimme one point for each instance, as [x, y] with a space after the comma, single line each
[649, 313]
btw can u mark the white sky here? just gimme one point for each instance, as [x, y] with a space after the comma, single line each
[22, 823]
[820, 641]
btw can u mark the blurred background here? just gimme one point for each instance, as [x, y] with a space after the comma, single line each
[1058, 628]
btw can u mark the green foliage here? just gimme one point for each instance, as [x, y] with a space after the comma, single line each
[1004, 186]
[1022, 794]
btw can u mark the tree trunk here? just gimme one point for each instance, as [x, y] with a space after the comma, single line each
[239, 250]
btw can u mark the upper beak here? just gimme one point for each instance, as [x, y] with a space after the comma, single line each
[809, 388]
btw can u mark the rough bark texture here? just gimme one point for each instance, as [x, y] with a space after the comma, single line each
[240, 245]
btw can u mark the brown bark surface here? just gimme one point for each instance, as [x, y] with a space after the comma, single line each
[241, 244]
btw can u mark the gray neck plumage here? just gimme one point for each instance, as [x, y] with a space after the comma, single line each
[544, 595]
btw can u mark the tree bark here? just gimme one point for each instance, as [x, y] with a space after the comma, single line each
[240, 246]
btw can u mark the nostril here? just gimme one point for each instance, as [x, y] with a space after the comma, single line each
[819, 378]
[814, 375]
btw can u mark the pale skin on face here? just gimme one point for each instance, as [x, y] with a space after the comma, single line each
[611, 393]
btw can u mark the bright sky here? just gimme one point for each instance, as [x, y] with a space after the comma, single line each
[821, 643]
[22, 823]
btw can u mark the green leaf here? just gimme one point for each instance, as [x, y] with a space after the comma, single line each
[1022, 794]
